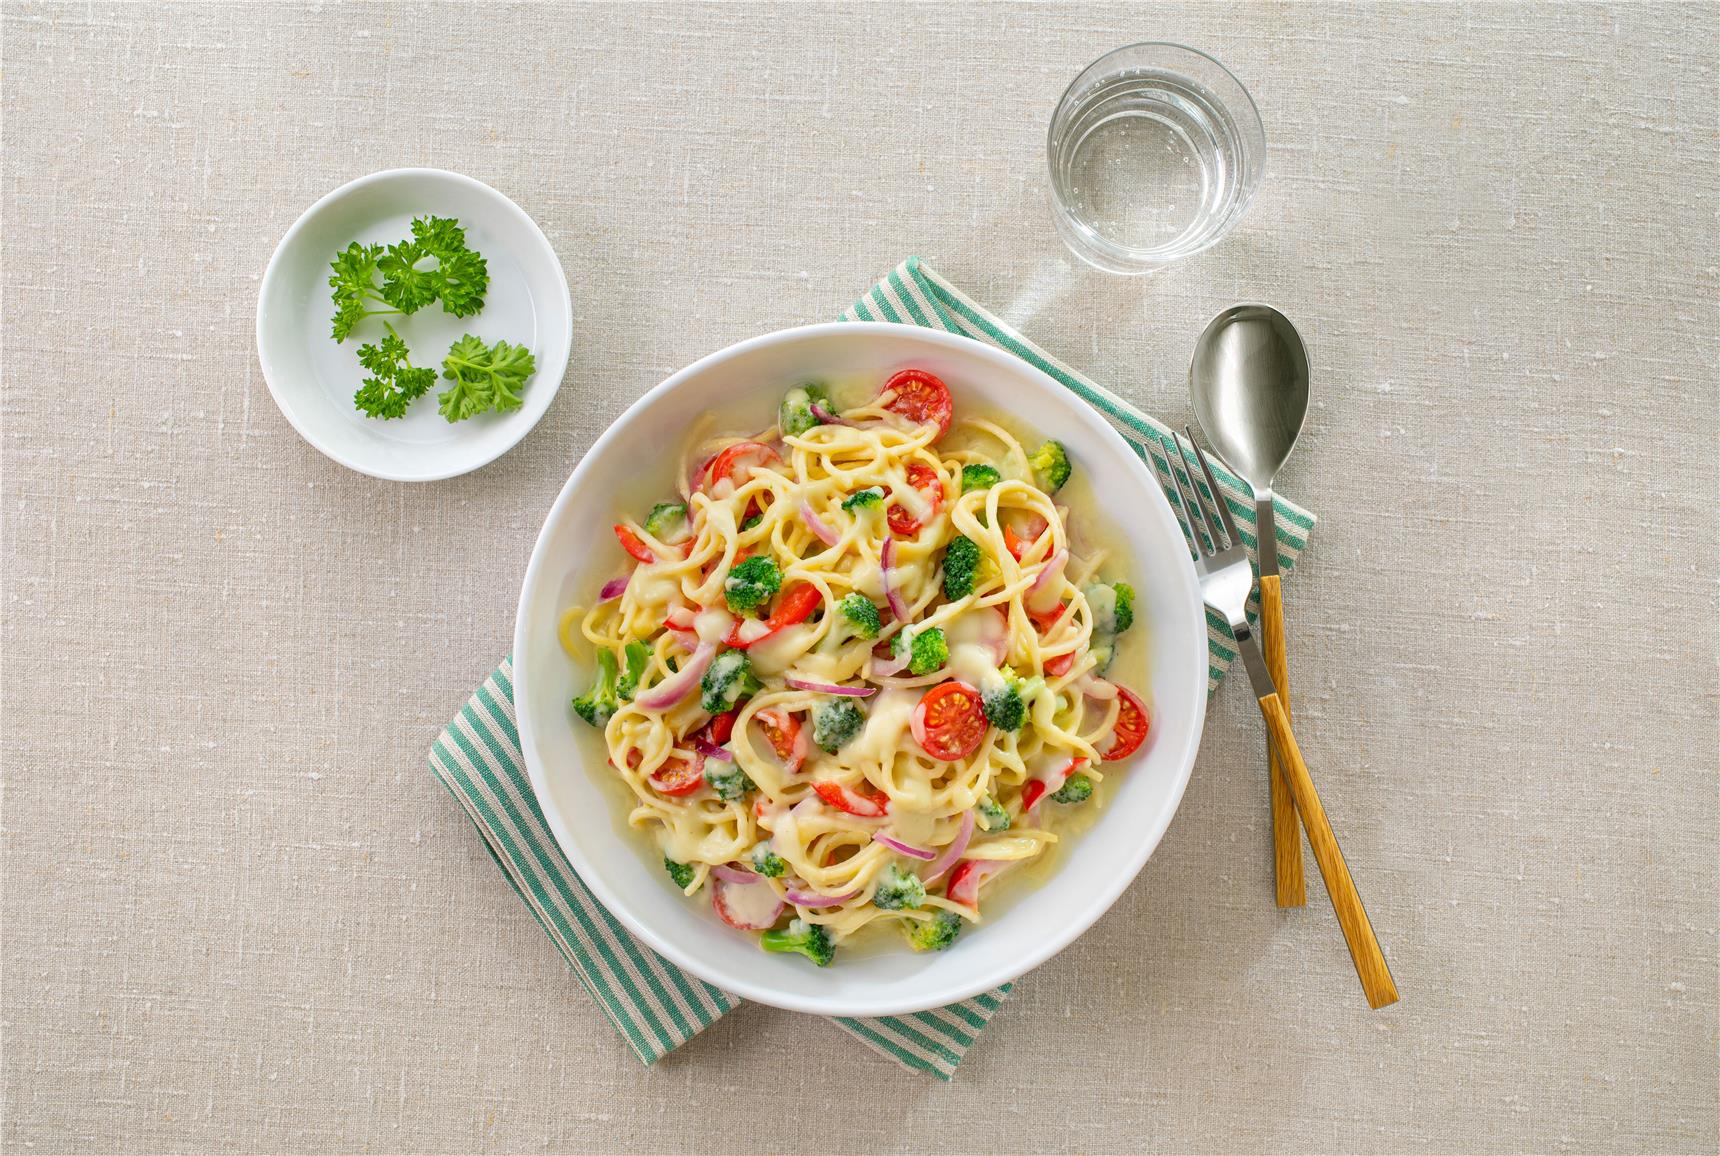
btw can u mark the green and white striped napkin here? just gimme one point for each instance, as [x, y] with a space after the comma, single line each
[655, 1005]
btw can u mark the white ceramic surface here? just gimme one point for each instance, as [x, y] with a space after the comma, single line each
[575, 552]
[313, 379]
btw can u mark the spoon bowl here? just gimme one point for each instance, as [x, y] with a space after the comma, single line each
[1249, 384]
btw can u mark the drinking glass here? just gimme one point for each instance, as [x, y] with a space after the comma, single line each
[1155, 152]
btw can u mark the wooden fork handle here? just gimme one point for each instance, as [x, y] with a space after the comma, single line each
[1365, 951]
[1286, 832]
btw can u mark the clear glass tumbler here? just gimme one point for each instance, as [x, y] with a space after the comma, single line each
[1155, 152]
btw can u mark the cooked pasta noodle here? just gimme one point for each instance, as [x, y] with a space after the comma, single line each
[828, 712]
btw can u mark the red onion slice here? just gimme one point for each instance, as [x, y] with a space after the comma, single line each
[907, 849]
[831, 688]
[680, 684]
[1042, 595]
[1097, 688]
[711, 750]
[953, 851]
[612, 588]
[827, 416]
[819, 528]
[888, 667]
[813, 899]
[733, 874]
[886, 563]
[744, 906]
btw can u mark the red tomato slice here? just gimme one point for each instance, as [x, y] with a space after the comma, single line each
[721, 727]
[794, 606]
[630, 542]
[734, 463]
[1036, 788]
[783, 732]
[1133, 723]
[966, 879]
[928, 482]
[1059, 666]
[950, 721]
[845, 798]
[921, 398]
[678, 776]
[1016, 544]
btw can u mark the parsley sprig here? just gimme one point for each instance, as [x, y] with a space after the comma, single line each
[484, 377]
[395, 382]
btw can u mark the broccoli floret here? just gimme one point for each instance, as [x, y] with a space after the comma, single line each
[727, 780]
[667, 522]
[794, 415]
[835, 722]
[1005, 709]
[1113, 607]
[979, 477]
[991, 815]
[1103, 651]
[681, 873]
[1077, 788]
[928, 649]
[864, 499]
[727, 680]
[598, 704]
[752, 583]
[862, 614]
[936, 933]
[767, 862]
[754, 520]
[961, 564]
[637, 655]
[808, 939]
[898, 890]
[1050, 464]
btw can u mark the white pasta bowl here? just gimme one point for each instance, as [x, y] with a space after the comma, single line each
[575, 553]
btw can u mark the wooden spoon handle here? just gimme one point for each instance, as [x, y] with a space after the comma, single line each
[1365, 951]
[1286, 832]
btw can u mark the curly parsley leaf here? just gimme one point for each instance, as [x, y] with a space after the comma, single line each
[394, 382]
[354, 283]
[484, 377]
[458, 277]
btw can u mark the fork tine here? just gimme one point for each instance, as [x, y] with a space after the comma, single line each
[1185, 515]
[1209, 524]
[1217, 494]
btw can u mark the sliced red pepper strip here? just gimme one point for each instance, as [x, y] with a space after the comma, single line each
[845, 798]
[794, 606]
[630, 542]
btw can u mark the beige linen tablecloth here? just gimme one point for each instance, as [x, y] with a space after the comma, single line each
[239, 916]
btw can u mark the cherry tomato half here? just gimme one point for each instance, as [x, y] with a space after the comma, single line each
[966, 879]
[678, 776]
[845, 798]
[921, 398]
[949, 723]
[931, 487]
[794, 606]
[721, 727]
[782, 731]
[734, 463]
[1133, 723]
[630, 542]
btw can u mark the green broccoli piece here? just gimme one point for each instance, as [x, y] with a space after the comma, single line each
[727, 680]
[936, 933]
[1113, 607]
[835, 722]
[992, 817]
[667, 521]
[767, 862]
[979, 478]
[809, 939]
[961, 564]
[794, 415]
[1005, 709]
[681, 873]
[928, 649]
[1103, 650]
[752, 583]
[862, 615]
[1050, 464]
[637, 655]
[864, 499]
[597, 705]
[1077, 788]
[749, 523]
[898, 890]
[727, 780]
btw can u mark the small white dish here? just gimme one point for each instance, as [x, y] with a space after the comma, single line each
[740, 386]
[313, 379]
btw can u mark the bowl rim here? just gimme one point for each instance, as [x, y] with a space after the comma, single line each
[998, 971]
[548, 382]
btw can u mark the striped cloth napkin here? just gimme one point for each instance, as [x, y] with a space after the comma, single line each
[655, 1005]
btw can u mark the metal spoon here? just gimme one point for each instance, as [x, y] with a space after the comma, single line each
[1249, 384]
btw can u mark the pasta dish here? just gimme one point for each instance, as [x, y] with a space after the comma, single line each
[856, 671]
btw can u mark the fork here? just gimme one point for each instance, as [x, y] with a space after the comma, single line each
[1225, 581]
